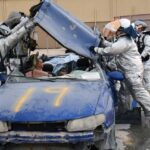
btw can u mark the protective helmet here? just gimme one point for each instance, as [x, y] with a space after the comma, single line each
[114, 26]
[13, 19]
[141, 22]
[123, 25]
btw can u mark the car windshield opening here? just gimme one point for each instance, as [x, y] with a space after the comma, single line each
[42, 67]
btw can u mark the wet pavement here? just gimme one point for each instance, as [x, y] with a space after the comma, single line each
[132, 137]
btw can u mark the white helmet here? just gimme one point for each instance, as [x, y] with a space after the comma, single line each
[125, 23]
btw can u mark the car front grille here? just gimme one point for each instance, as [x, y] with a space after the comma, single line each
[39, 127]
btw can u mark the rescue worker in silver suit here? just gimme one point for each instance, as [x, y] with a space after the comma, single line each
[7, 43]
[143, 43]
[128, 59]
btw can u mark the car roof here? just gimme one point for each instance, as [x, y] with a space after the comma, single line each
[66, 29]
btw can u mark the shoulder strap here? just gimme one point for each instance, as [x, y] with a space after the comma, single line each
[140, 43]
[2, 66]
[143, 38]
[146, 32]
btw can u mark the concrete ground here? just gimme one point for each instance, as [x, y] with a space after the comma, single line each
[132, 137]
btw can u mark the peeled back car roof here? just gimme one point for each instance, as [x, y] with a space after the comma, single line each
[66, 29]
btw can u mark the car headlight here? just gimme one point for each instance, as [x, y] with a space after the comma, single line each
[3, 127]
[86, 124]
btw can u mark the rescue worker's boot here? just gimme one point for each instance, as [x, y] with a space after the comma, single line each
[145, 119]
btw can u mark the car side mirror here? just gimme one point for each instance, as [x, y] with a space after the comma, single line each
[116, 75]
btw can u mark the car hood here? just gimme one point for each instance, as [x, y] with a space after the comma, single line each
[50, 101]
[66, 29]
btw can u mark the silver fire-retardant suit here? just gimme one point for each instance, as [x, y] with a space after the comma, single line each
[145, 53]
[129, 62]
[9, 42]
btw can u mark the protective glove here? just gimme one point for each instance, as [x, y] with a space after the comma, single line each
[29, 25]
[145, 58]
[34, 9]
[102, 39]
[98, 50]
[92, 49]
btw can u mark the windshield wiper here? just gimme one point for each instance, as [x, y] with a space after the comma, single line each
[52, 79]
[40, 79]
[74, 79]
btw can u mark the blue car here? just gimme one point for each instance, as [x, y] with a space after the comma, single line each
[75, 111]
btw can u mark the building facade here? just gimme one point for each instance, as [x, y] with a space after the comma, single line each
[92, 12]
